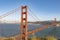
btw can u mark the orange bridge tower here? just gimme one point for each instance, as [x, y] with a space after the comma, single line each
[24, 24]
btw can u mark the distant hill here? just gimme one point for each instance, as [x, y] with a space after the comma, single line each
[43, 22]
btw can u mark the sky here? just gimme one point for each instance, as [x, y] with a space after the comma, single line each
[43, 9]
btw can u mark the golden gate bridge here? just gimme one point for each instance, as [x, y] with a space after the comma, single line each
[24, 33]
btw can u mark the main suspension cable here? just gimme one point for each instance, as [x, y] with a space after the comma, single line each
[9, 13]
[32, 13]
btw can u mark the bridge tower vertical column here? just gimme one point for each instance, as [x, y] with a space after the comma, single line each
[55, 22]
[24, 24]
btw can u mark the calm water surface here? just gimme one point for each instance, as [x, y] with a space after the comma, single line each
[7, 30]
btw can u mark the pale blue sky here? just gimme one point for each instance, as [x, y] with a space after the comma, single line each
[43, 9]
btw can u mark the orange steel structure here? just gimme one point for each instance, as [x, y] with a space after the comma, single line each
[54, 22]
[24, 25]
